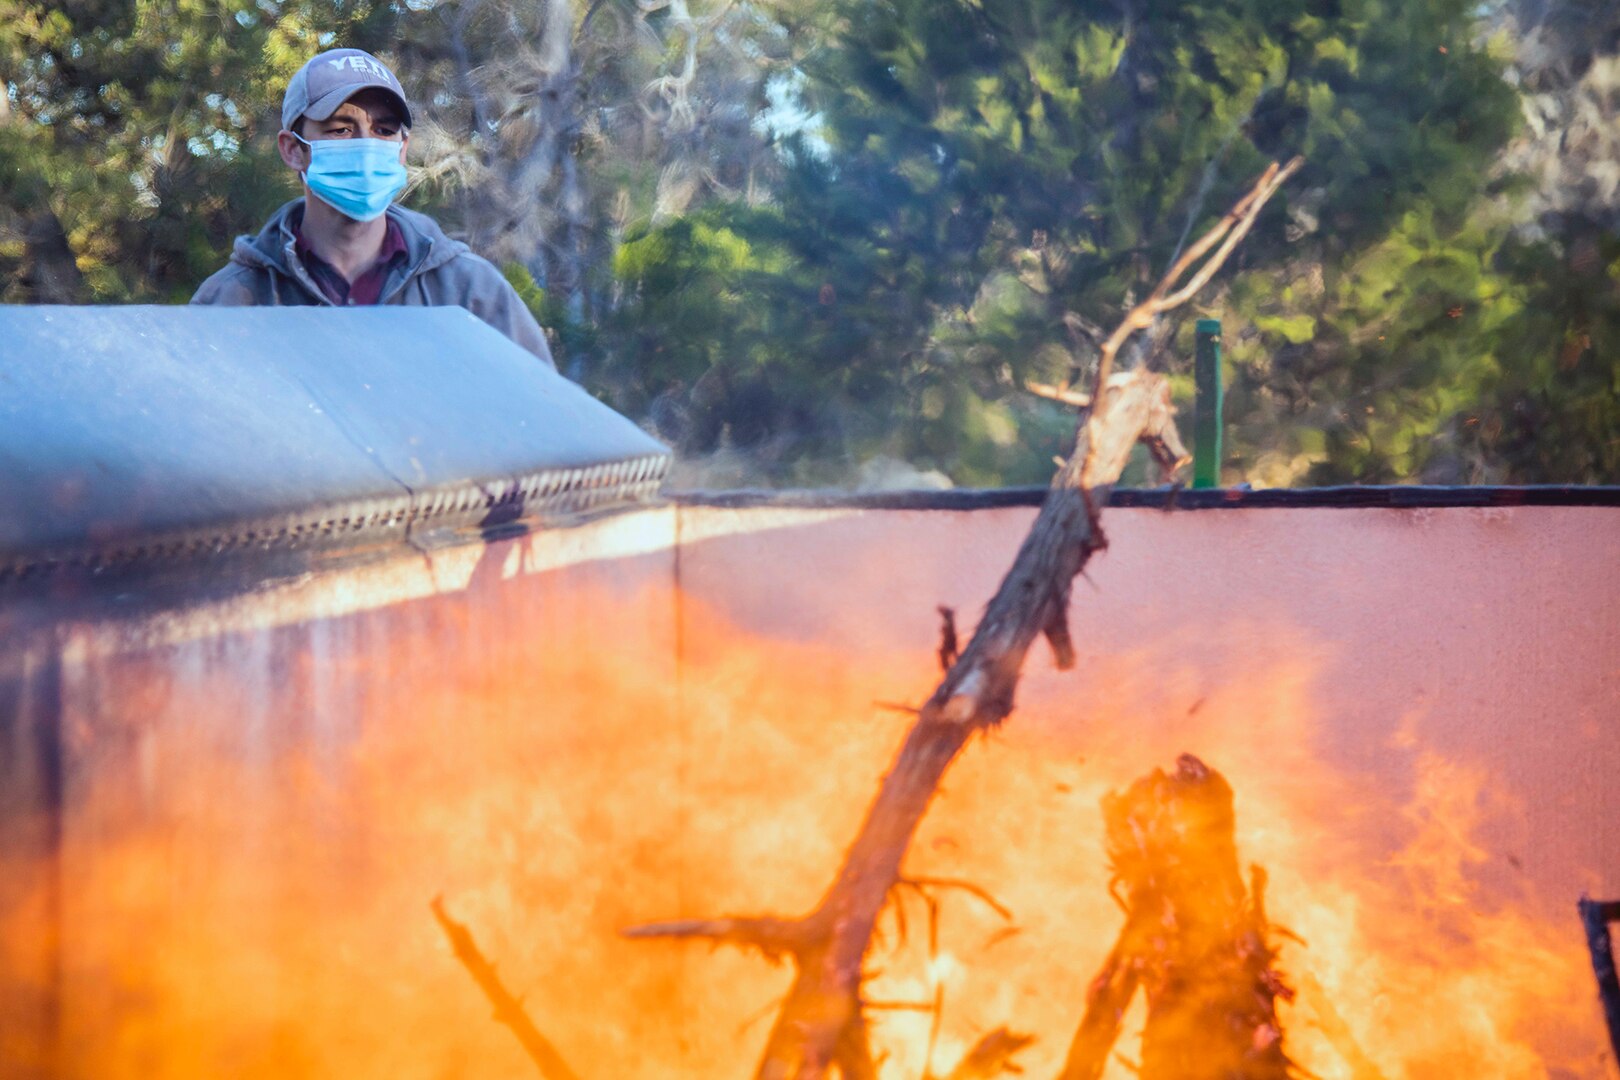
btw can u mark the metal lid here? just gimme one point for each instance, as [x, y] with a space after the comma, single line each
[136, 432]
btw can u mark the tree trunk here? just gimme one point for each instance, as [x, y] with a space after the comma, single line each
[50, 272]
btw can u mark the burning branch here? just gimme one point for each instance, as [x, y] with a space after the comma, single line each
[992, 1056]
[1336, 1030]
[1197, 944]
[822, 1025]
[1107, 998]
[508, 1009]
[772, 937]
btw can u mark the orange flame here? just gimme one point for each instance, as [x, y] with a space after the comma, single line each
[247, 859]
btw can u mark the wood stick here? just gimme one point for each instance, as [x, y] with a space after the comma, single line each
[1107, 998]
[508, 1009]
[991, 1056]
[1063, 395]
[976, 891]
[949, 646]
[773, 937]
[1336, 1030]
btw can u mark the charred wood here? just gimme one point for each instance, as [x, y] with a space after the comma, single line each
[1107, 998]
[1196, 940]
[508, 1009]
[949, 648]
[774, 938]
[991, 1056]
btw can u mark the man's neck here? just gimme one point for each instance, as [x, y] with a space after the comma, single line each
[350, 246]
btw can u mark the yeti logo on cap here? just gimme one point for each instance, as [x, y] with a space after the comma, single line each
[365, 65]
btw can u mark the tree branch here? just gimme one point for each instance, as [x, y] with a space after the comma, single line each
[1232, 228]
[978, 892]
[773, 937]
[1595, 918]
[991, 1056]
[508, 1009]
[948, 646]
[821, 1024]
[1060, 394]
[1107, 998]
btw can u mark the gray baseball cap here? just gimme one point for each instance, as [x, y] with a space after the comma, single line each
[333, 77]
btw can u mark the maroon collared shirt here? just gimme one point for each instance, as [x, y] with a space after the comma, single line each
[365, 289]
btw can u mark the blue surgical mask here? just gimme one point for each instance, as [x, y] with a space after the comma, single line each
[356, 177]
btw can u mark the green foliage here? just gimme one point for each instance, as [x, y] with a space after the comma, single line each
[993, 169]
[870, 223]
[570, 336]
[1548, 414]
[705, 343]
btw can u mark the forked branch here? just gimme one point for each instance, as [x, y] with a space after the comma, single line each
[1228, 232]
[821, 1025]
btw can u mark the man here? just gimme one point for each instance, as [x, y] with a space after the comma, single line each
[345, 128]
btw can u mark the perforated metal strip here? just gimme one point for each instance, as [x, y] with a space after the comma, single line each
[548, 493]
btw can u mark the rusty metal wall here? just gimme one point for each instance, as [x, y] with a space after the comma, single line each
[1491, 634]
[225, 819]
[1419, 710]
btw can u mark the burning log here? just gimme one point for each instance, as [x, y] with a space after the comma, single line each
[1195, 940]
[822, 1024]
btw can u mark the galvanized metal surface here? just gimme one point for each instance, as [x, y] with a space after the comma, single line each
[137, 433]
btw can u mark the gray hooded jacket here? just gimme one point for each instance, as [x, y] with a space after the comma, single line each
[437, 272]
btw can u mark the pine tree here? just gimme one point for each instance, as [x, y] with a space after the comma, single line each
[995, 177]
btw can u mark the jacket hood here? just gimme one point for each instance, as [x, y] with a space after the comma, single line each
[426, 245]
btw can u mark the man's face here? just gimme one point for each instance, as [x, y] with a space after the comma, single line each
[370, 114]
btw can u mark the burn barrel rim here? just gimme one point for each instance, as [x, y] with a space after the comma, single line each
[147, 434]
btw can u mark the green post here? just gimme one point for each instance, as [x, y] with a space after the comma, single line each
[1207, 411]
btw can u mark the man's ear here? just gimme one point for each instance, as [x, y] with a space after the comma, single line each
[294, 154]
[404, 141]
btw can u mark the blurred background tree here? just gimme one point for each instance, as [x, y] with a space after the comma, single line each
[834, 241]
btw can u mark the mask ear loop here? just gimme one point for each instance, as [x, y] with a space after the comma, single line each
[309, 146]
